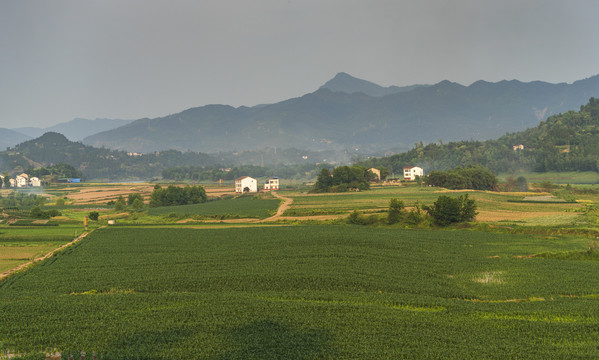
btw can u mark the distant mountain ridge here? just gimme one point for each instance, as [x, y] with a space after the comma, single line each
[343, 82]
[326, 119]
[76, 129]
[10, 138]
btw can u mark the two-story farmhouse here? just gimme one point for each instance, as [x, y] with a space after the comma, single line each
[271, 183]
[246, 184]
[410, 172]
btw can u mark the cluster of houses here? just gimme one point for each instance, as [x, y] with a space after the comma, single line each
[21, 181]
[246, 184]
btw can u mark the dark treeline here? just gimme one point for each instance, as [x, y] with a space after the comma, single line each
[174, 195]
[470, 177]
[215, 173]
[343, 178]
[60, 170]
[565, 142]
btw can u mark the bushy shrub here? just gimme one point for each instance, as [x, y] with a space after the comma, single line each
[447, 210]
[94, 215]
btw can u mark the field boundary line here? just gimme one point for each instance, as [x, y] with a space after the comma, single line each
[42, 258]
[287, 201]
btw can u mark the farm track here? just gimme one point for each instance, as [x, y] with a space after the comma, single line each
[41, 258]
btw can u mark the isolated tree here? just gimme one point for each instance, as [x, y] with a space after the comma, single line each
[447, 210]
[137, 204]
[131, 198]
[395, 213]
[522, 183]
[120, 204]
[94, 215]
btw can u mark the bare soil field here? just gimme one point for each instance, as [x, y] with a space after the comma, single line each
[106, 193]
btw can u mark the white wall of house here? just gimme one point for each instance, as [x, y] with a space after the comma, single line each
[246, 184]
[22, 181]
[34, 181]
[272, 184]
[410, 172]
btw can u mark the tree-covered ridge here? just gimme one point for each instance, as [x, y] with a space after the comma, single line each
[564, 142]
[51, 149]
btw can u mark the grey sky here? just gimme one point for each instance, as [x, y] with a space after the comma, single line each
[130, 59]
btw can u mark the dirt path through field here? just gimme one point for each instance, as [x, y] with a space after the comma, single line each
[282, 208]
[22, 266]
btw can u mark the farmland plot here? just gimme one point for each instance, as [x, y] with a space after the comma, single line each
[305, 292]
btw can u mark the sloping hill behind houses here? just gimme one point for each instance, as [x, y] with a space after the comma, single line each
[564, 142]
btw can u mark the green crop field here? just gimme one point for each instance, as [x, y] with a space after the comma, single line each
[20, 244]
[305, 292]
[243, 207]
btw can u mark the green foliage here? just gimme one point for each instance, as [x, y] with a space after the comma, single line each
[38, 213]
[120, 204]
[174, 195]
[132, 197]
[564, 142]
[448, 210]
[396, 210]
[342, 179]
[470, 177]
[17, 199]
[60, 170]
[94, 215]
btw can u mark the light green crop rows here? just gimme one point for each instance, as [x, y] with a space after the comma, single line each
[305, 292]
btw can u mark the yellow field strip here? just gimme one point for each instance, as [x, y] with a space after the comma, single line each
[41, 258]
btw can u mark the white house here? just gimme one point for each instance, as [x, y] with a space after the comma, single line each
[272, 184]
[22, 180]
[13, 182]
[1, 181]
[246, 184]
[410, 172]
[34, 181]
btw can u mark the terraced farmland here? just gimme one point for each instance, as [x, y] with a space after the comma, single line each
[305, 292]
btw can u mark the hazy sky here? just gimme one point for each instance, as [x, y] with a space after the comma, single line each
[129, 59]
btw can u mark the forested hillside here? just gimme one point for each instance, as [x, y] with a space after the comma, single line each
[564, 142]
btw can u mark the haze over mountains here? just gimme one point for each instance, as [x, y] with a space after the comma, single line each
[344, 113]
[74, 130]
[349, 113]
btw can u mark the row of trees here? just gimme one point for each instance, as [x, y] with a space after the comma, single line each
[343, 178]
[444, 211]
[174, 195]
[470, 177]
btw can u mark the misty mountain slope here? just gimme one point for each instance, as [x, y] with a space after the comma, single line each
[9, 138]
[76, 129]
[343, 82]
[325, 119]
[565, 142]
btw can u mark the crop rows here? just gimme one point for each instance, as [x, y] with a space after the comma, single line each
[305, 292]
[244, 207]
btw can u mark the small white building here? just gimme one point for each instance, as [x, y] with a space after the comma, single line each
[246, 184]
[22, 180]
[410, 172]
[1, 181]
[272, 183]
[13, 182]
[35, 181]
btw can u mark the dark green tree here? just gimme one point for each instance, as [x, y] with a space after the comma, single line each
[447, 210]
[396, 210]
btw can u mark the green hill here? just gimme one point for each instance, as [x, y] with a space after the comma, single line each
[564, 142]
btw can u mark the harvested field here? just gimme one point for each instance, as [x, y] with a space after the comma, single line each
[106, 193]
